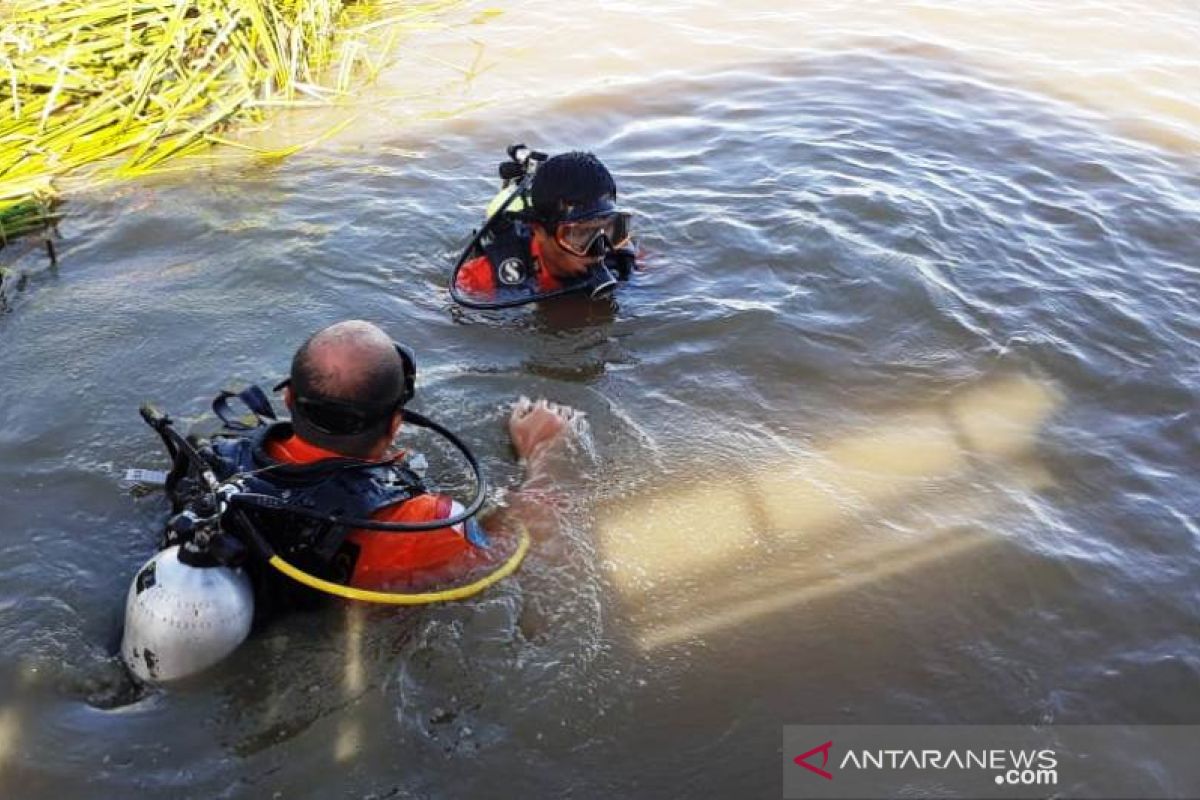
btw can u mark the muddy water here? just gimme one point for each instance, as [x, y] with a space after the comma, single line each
[898, 425]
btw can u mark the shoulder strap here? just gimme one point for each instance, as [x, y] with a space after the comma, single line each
[254, 399]
[508, 251]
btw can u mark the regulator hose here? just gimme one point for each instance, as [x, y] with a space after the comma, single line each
[501, 572]
[177, 444]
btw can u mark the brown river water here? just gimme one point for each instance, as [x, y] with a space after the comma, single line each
[899, 425]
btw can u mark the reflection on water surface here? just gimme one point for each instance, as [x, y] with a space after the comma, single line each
[860, 225]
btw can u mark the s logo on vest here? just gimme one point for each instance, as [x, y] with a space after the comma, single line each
[511, 271]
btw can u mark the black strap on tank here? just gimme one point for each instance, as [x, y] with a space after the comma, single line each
[253, 398]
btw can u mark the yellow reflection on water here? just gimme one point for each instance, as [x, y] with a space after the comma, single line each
[9, 724]
[780, 590]
[1137, 64]
[348, 740]
[690, 561]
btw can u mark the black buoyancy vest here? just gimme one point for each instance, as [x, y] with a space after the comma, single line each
[509, 252]
[344, 487]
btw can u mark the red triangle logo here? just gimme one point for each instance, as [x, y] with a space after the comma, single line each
[824, 751]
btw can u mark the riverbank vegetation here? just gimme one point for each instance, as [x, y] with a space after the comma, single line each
[102, 89]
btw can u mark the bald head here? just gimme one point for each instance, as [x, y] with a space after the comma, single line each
[354, 363]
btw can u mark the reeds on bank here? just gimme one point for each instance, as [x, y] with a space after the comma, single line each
[104, 88]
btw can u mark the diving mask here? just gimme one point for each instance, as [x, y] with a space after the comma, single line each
[579, 237]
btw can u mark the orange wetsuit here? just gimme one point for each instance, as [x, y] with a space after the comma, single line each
[388, 559]
[478, 277]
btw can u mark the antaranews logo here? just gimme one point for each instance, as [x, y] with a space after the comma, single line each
[1009, 767]
[1083, 762]
[823, 749]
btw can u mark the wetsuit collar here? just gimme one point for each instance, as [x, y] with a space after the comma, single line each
[295, 450]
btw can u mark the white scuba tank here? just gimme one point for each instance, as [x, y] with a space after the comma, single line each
[181, 619]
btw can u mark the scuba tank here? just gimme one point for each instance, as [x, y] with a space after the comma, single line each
[181, 618]
[509, 198]
[193, 603]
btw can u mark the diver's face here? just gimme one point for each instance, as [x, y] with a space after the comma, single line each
[559, 262]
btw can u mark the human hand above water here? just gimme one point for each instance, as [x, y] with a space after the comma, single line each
[539, 427]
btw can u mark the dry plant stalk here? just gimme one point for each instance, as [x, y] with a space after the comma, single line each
[115, 88]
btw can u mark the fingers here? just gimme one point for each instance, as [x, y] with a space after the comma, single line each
[525, 412]
[574, 419]
[539, 428]
[522, 407]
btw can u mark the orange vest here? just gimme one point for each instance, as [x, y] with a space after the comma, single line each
[391, 560]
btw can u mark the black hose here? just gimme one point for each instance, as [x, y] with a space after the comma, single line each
[175, 442]
[521, 188]
[265, 501]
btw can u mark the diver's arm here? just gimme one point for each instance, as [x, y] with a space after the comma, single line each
[541, 433]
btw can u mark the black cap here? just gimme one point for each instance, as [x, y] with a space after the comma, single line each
[571, 184]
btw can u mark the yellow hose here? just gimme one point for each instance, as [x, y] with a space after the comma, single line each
[416, 599]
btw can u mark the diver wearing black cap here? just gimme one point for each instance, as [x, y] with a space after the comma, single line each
[555, 229]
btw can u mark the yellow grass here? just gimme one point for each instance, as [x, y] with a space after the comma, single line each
[122, 86]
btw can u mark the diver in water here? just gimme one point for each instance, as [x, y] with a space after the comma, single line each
[346, 395]
[269, 516]
[555, 229]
